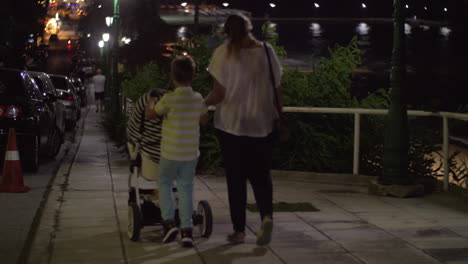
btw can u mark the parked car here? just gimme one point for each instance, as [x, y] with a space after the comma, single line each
[81, 90]
[68, 96]
[22, 107]
[49, 93]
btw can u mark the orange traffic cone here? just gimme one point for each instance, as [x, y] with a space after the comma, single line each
[12, 180]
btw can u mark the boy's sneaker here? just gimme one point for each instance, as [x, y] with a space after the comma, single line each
[264, 236]
[236, 237]
[187, 238]
[170, 231]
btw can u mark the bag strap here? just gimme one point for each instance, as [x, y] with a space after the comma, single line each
[272, 78]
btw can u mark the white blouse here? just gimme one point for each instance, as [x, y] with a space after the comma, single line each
[248, 108]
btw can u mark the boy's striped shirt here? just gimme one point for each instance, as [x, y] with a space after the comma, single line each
[182, 109]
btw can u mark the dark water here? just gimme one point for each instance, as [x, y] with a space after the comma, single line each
[436, 57]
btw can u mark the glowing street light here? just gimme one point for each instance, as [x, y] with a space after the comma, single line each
[363, 5]
[445, 9]
[109, 21]
[407, 6]
[316, 5]
[105, 37]
[126, 40]
[99, 6]
[88, 35]
[272, 5]
[225, 4]
[184, 4]
[101, 44]
[425, 8]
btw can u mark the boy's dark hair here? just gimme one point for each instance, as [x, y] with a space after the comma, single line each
[183, 69]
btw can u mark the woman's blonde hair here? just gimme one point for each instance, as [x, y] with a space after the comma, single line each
[236, 27]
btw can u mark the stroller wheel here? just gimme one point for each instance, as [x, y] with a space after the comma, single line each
[204, 219]
[134, 222]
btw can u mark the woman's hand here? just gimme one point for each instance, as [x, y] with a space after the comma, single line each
[150, 113]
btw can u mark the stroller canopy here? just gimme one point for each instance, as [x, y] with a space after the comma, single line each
[145, 132]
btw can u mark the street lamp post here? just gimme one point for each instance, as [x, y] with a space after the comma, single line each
[105, 39]
[101, 48]
[396, 134]
[115, 56]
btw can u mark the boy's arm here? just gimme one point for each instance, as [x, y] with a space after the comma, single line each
[150, 112]
[204, 119]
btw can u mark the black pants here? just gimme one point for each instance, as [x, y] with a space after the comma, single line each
[247, 158]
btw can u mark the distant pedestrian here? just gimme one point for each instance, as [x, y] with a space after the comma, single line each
[244, 117]
[99, 82]
[181, 110]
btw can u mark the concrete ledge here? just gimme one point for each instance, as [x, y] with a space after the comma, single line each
[400, 191]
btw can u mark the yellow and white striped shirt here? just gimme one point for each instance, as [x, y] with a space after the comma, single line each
[181, 109]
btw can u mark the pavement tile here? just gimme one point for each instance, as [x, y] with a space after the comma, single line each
[449, 254]
[88, 194]
[305, 246]
[87, 222]
[324, 258]
[361, 203]
[87, 234]
[438, 242]
[248, 253]
[422, 232]
[462, 231]
[70, 257]
[324, 216]
[356, 234]
[161, 253]
[453, 222]
[296, 231]
[397, 256]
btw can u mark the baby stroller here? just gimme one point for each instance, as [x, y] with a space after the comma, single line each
[143, 208]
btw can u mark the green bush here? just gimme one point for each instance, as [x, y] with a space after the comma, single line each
[143, 80]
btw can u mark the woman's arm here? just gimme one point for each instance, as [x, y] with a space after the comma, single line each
[216, 95]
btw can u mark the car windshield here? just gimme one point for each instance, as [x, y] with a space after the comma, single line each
[11, 84]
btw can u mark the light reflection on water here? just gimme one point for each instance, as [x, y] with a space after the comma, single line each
[363, 29]
[316, 29]
[182, 33]
[408, 29]
[445, 31]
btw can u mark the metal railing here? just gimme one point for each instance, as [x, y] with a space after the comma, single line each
[357, 112]
[357, 128]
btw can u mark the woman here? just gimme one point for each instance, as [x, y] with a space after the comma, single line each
[244, 95]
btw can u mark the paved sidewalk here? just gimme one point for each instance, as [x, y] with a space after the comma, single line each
[85, 221]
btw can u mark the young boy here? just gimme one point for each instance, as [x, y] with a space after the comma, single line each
[182, 110]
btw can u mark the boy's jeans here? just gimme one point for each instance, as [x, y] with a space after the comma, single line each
[183, 173]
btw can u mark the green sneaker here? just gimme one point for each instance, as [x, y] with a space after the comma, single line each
[264, 236]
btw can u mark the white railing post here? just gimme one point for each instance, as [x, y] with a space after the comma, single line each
[445, 149]
[357, 135]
